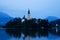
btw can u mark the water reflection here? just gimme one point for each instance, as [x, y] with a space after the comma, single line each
[5, 36]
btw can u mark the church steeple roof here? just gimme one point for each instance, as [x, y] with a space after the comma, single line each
[28, 11]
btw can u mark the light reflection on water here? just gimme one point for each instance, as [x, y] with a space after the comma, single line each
[5, 36]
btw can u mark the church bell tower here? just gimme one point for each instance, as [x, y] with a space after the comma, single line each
[28, 14]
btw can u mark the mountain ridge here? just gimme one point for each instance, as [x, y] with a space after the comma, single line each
[51, 18]
[4, 18]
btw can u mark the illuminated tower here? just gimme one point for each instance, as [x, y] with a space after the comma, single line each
[28, 14]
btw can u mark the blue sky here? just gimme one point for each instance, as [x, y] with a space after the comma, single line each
[39, 8]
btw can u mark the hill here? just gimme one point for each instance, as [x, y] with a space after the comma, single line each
[51, 18]
[4, 18]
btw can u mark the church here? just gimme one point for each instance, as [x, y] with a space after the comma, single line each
[28, 17]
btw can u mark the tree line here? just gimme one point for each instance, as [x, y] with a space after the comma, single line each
[29, 28]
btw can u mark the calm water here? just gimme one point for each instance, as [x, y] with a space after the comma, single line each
[5, 36]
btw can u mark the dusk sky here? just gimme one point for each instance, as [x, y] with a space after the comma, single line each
[39, 8]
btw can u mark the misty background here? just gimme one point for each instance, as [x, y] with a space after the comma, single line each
[38, 8]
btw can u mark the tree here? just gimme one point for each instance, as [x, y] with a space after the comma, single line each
[39, 27]
[42, 27]
[29, 28]
[33, 27]
[13, 27]
[24, 31]
[26, 28]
